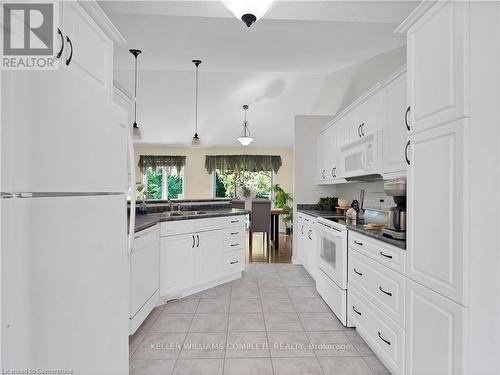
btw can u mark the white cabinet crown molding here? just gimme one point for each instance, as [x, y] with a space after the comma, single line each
[414, 16]
[102, 20]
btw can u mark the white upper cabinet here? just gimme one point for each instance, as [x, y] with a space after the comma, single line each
[437, 58]
[353, 121]
[395, 130]
[438, 210]
[87, 48]
[373, 114]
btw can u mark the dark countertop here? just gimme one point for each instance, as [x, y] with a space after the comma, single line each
[318, 213]
[377, 234]
[145, 221]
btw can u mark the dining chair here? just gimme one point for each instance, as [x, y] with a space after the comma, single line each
[260, 220]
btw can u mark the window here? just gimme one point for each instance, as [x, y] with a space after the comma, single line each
[227, 184]
[163, 183]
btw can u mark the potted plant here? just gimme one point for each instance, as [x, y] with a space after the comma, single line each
[140, 197]
[282, 199]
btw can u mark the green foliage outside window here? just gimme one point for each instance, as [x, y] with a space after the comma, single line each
[155, 181]
[227, 182]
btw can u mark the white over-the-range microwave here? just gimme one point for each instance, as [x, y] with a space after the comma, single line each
[363, 157]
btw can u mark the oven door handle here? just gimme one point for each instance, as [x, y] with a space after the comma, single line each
[327, 227]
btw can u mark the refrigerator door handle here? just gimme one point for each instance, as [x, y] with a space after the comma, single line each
[131, 229]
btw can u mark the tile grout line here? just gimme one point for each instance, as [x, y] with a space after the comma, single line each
[265, 327]
[185, 337]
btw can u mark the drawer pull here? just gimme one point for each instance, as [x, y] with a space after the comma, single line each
[384, 340]
[384, 291]
[356, 311]
[358, 273]
[234, 233]
[234, 221]
[358, 243]
[234, 244]
[385, 255]
[234, 262]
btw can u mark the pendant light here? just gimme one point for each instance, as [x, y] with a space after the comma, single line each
[245, 138]
[196, 140]
[136, 130]
[249, 11]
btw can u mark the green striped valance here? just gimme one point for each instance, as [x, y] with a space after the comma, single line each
[160, 161]
[253, 163]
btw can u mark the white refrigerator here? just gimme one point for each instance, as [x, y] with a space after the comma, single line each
[64, 258]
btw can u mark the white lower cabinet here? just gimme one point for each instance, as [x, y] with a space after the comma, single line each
[176, 263]
[200, 254]
[376, 297]
[382, 334]
[435, 332]
[307, 243]
[208, 256]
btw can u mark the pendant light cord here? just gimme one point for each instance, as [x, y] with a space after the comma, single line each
[196, 103]
[135, 93]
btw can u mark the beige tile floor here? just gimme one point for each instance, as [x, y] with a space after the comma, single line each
[271, 321]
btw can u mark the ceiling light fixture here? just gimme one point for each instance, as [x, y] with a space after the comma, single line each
[249, 11]
[196, 140]
[136, 132]
[245, 138]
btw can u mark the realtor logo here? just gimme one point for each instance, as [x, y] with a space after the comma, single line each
[28, 38]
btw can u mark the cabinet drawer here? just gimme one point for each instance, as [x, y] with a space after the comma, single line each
[235, 233]
[384, 287]
[389, 256]
[383, 336]
[234, 244]
[233, 261]
[170, 228]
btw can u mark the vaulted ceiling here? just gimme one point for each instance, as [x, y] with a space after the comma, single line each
[277, 66]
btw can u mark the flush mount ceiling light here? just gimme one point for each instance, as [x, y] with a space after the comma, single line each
[136, 131]
[245, 138]
[249, 11]
[196, 140]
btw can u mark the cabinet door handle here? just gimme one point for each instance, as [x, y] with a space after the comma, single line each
[59, 54]
[234, 262]
[358, 243]
[384, 340]
[309, 234]
[385, 255]
[302, 230]
[68, 60]
[333, 172]
[384, 291]
[234, 244]
[406, 118]
[406, 152]
[198, 242]
[356, 311]
[193, 242]
[358, 273]
[359, 130]
[362, 132]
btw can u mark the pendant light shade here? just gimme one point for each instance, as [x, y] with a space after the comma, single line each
[245, 138]
[195, 142]
[136, 133]
[249, 11]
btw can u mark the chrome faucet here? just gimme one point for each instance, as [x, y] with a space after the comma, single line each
[170, 204]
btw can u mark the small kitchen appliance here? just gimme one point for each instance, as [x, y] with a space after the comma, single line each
[396, 218]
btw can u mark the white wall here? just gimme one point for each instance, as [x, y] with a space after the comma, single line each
[344, 86]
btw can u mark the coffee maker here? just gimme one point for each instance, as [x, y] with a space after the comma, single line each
[396, 218]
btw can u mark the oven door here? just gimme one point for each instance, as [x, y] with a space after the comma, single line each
[332, 258]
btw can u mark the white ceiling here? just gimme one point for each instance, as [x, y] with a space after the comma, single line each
[307, 38]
